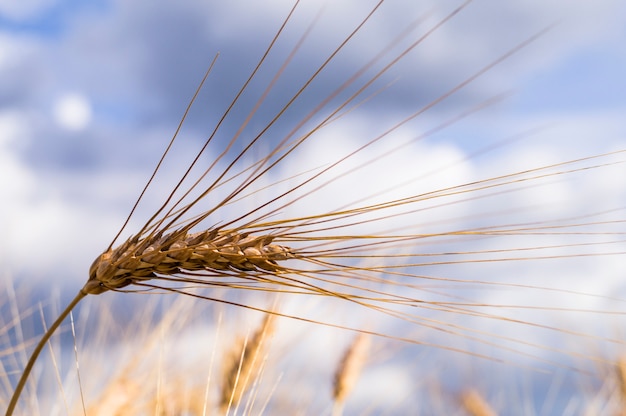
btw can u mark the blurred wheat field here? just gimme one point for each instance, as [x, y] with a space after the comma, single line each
[444, 255]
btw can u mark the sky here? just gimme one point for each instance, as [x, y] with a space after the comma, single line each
[91, 92]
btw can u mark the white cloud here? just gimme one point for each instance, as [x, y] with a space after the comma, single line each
[72, 111]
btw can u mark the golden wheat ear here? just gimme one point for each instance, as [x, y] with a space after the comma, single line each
[348, 371]
[619, 376]
[475, 405]
[176, 252]
[242, 365]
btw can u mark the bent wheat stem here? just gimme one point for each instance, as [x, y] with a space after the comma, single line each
[38, 348]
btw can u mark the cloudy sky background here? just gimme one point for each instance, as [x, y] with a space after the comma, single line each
[90, 93]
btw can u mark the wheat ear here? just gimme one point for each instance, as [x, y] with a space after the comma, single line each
[242, 365]
[620, 376]
[348, 371]
[219, 250]
[475, 405]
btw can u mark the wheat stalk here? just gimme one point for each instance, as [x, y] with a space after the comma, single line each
[348, 371]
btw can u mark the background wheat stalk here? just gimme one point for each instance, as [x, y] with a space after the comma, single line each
[242, 366]
[373, 251]
[348, 371]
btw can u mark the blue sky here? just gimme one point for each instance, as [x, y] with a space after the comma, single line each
[90, 93]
